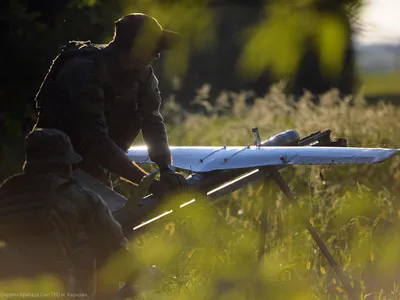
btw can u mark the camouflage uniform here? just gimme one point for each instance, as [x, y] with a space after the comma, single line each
[102, 108]
[48, 222]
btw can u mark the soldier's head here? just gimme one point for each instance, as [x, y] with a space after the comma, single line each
[142, 38]
[48, 150]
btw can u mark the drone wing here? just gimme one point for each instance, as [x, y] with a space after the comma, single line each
[207, 159]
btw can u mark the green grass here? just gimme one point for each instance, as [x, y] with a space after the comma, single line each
[211, 252]
[386, 84]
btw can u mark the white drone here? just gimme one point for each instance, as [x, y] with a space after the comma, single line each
[220, 170]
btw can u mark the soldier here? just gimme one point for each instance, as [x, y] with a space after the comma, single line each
[47, 219]
[103, 95]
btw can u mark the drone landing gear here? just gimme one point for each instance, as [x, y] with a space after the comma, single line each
[275, 176]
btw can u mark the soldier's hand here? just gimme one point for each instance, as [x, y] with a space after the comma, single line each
[157, 188]
[170, 182]
[174, 182]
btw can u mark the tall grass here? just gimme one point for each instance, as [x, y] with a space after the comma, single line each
[211, 251]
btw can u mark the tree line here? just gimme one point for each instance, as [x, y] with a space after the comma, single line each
[232, 45]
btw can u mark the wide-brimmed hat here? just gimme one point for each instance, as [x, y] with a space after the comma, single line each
[49, 146]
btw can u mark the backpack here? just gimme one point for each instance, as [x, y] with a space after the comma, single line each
[23, 199]
[29, 229]
[67, 51]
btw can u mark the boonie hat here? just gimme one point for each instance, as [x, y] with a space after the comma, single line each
[49, 146]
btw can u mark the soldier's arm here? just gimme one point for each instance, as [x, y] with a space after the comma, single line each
[86, 94]
[153, 127]
[113, 258]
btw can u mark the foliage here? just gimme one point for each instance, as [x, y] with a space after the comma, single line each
[280, 40]
[34, 31]
[207, 251]
[197, 32]
[210, 252]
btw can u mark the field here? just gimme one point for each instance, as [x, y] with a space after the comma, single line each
[387, 83]
[381, 86]
[210, 252]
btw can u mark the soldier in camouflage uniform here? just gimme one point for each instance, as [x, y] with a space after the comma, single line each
[103, 95]
[46, 218]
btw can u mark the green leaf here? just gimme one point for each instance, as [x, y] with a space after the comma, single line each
[331, 41]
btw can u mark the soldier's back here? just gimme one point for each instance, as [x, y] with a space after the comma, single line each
[39, 221]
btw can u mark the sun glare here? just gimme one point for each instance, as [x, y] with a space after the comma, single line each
[381, 21]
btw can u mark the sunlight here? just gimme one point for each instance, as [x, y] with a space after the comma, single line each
[380, 20]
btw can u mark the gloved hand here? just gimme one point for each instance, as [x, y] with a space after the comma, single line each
[174, 182]
[170, 181]
[157, 188]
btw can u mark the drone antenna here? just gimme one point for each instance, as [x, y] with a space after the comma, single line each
[256, 136]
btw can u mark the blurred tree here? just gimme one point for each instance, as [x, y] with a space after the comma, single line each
[233, 45]
[196, 22]
[311, 74]
[32, 33]
[260, 42]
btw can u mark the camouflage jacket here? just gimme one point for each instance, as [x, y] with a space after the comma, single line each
[103, 109]
[48, 223]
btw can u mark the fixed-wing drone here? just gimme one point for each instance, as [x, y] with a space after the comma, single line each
[218, 171]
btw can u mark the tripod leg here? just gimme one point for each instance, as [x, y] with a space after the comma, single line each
[263, 222]
[267, 205]
[324, 249]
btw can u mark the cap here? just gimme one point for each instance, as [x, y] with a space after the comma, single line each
[135, 26]
[49, 146]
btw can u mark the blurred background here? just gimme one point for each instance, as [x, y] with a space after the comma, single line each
[237, 45]
[308, 65]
